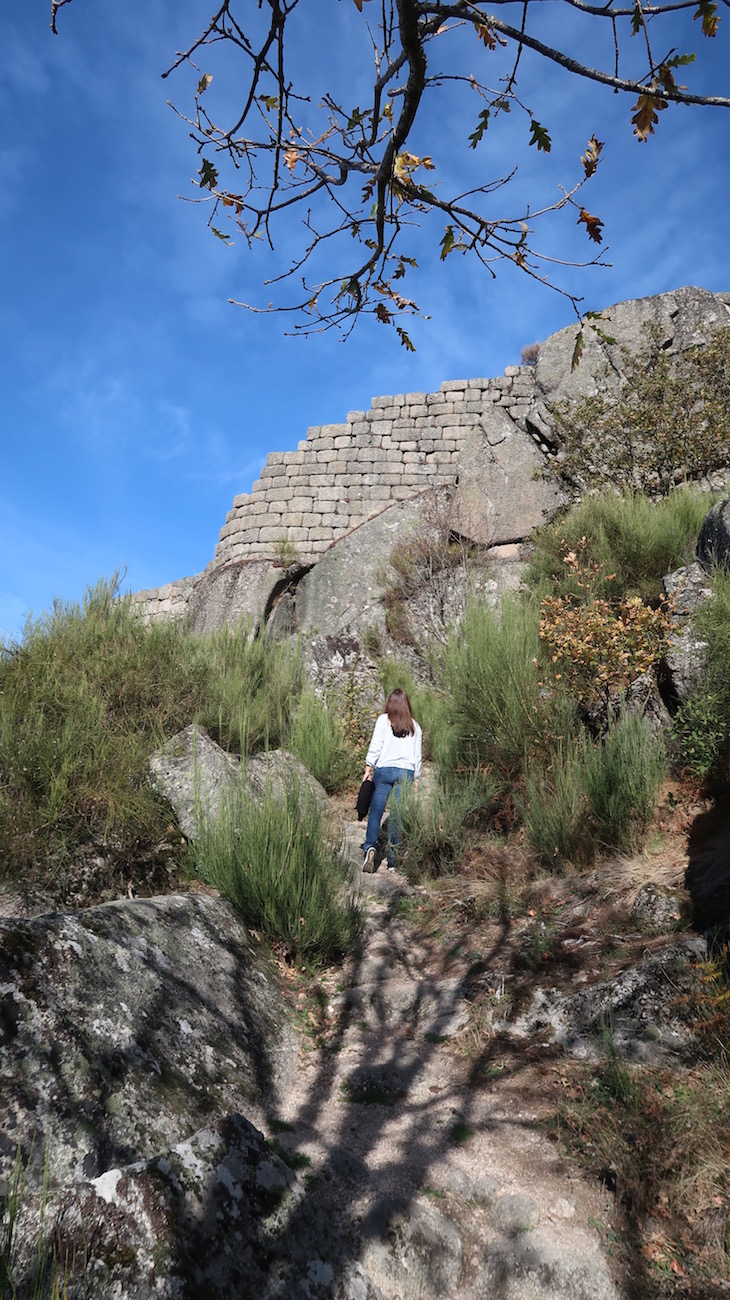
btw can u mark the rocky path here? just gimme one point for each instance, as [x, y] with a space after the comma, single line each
[439, 1180]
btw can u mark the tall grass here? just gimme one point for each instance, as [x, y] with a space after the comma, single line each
[271, 858]
[437, 824]
[86, 698]
[702, 726]
[318, 738]
[553, 805]
[254, 684]
[623, 775]
[632, 540]
[495, 702]
[83, 701]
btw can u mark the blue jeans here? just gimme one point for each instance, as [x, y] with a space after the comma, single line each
[386, 779]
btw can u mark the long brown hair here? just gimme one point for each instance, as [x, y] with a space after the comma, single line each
[400, 717]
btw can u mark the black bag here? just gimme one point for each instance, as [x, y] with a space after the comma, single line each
[364, 798]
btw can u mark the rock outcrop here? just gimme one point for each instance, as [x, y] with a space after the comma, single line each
[125, 1026]
[197, 777]
[349, 490]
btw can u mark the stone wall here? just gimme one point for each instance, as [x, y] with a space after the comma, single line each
[163, 603]
[343, 474]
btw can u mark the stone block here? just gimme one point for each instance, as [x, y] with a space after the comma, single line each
[511, 372]
[271, 533]
[302, 445]
[342, 441]
[332, 521]
[479, 383]
[417, 410]
[355, 417]
[524, 385]
[415, 399]
[413, 457]
[242, 499]
[320, 534]
[257, 486]
[297, 532]
[454, 385]
[379, 402]
[276, 458]
[381, 428]
[333, 430]
[276, 494]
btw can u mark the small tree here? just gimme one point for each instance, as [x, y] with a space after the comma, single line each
[596, 646]
[344, 141]
[668, 423]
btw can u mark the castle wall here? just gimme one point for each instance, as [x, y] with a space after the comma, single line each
[344, 474]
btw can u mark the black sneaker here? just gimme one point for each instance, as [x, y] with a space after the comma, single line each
[369, 861]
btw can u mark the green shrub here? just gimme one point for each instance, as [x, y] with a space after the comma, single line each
[702, 725]
[629, 540]
[495, 703]
[270, 857]
[254, 687]
[623, 775]
[669, 422]
[84, 700]
[700, 731]
[553, 806]
[436, 824]
[318, 738]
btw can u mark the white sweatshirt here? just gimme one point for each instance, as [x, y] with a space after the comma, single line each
[387, 750]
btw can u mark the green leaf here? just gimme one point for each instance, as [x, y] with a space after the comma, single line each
[637, 20]
[447, 243]
[405, 340]
[577, 350]
[208, 175]
[219, 235]
[708, 13]
[481, 127]
[540, 136]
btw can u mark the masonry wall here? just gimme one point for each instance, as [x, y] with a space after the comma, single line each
[343, 474]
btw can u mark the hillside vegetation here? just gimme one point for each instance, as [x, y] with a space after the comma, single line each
[545, 763]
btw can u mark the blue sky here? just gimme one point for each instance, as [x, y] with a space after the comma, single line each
[136, 402]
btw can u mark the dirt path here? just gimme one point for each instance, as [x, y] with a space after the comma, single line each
[439, 1173]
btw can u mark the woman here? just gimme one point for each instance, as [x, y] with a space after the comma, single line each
[394, 758]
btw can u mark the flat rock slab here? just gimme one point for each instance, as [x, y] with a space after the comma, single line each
[342, 593]
[500, 496]
[123, 1028]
